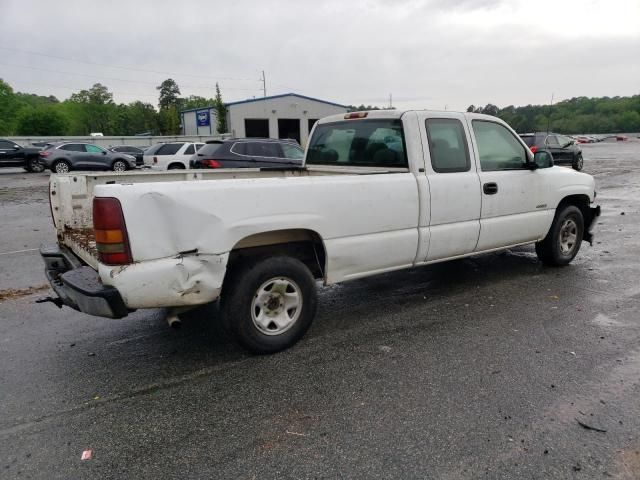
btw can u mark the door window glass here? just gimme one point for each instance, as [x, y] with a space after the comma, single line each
[190, 150]
[552, 141]
[6, 145]
[448, 145]
[199, 146]
[263, 149]
[73, 147]
[169, 149]
[292, 152]
[498, 147]
[93, 149]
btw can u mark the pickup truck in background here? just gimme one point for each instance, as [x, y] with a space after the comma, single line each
[379, 191]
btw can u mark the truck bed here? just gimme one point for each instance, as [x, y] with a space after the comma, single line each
[71, 195]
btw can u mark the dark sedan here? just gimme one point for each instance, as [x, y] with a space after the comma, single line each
[565, 151]
[14, 155]
[248, 153]
[136, 152]
[63, 157]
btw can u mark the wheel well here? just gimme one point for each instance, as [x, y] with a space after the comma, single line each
[305, 245]
[581, 201]
[176, 164]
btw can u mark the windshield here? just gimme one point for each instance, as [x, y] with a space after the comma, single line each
[366, 143]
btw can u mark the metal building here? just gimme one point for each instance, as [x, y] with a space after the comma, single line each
[280, 116]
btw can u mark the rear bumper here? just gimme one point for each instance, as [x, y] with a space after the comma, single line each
[590, 222]
[79, 286]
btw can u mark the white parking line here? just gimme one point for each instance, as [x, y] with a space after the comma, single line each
[19, 251]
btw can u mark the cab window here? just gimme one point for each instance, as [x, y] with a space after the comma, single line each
[448, 145]
[366, 143]
[498, 148]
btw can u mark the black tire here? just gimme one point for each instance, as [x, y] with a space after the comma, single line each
[247, 297]
[34, 166]
[578, 162]
[119, 166]
[176, 166]
[61, 166]
[557, 249]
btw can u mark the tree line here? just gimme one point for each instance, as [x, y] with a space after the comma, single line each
[577, 115]
[94, 110]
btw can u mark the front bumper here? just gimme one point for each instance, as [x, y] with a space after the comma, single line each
[78, 286]
[590, 221]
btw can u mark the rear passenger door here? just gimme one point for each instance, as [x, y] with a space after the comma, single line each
[513, 208]
[453, 184]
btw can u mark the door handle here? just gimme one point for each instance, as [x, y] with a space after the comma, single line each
[490, 188]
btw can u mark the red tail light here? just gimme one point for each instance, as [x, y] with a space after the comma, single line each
[533, 149]
[112, 241]
[44, 154]
[211, 163]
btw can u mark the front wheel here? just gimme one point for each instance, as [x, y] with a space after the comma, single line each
[562, 243]
[119, 166]
[578, 163]
[270, 304]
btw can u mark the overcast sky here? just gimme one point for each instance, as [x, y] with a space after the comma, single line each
[427, 53]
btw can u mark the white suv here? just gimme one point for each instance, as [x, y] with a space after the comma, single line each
[170, 156]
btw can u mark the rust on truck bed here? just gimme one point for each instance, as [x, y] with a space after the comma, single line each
[82, 241]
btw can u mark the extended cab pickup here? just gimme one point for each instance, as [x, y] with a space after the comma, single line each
[379, 191]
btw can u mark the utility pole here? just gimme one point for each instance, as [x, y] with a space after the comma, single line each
[549, 116]
[264, 84]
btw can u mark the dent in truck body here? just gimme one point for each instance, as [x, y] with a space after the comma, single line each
[183, 280]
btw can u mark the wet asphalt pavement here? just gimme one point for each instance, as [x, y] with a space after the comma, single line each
[478, 368]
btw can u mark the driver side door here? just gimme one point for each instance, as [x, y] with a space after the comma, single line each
[10, 156]
[513, 209]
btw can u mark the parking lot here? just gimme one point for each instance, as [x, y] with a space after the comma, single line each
[488, 367]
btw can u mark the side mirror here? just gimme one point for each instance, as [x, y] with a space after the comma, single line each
[104, 152]
[17, 147]
[543, 159]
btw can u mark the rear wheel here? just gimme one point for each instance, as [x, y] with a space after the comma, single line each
[562, 243]
[119, 166]
[62, 166]
[578, 162]
[268, 305]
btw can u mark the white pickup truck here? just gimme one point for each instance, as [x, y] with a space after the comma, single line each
[379, 191]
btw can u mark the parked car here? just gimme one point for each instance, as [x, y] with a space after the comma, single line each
[455, 185]
[564, 149]
[170, 156]
[14, 155]
[248, 153]
[62, 157]
[136, 152]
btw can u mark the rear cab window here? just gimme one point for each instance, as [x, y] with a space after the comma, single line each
[363, 143]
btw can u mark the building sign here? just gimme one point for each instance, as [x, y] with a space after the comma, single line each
[202, 118]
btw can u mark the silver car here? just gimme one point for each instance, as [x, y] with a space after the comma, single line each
[62, 157]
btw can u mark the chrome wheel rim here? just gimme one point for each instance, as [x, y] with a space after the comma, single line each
[119, 167]
[580, 163]
[568, 236]
[62, 167]
[276, 306]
